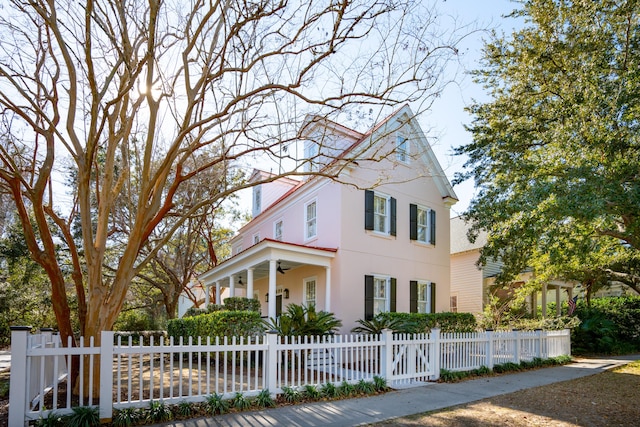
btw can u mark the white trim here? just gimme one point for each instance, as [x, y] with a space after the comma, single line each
[427, 303]
[406, 151]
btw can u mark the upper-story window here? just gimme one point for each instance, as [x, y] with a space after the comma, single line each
[277, 230]
[422, 224]
[256, 238]
[402, 148]
[310, 220]
[380, 213]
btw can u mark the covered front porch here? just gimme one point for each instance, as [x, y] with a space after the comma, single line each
[273, 270]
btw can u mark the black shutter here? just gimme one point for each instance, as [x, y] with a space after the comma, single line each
[432, 222]
[392, 300]
[368, 210]
[413, 222]
[433, 298]
[413, 296]
[393, 221]
[368, 297]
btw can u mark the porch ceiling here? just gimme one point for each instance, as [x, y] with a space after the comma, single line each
[257, 257]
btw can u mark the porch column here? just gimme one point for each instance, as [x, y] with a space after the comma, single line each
[218, 292]
[544, 300]
[232, 285]
[271, 307]
[558, 312]
[207, 289]
[249, 282]
[327, 289]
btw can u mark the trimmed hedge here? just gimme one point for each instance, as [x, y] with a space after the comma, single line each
[417, 323]
[217, 324]
[241, 304]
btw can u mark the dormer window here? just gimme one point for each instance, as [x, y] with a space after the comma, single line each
[257, 200]
[311, 152]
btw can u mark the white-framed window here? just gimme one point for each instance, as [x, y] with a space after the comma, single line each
[311, 151]
[453, 303]
[381, 211]
[402, 148]
[256, 238]
[277, 230]
[257, 200]
[423, 224]
[310, 220]
[381, 294]
[237, 249]
[310, 291]
[424, 297]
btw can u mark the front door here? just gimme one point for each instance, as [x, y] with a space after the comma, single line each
[278, 305]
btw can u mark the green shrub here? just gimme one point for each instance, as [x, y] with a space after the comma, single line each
[83, 416]
[418, 323]
[126, 417]
[365, 387]
[185, 409]
[135, 320]
[158, 412]
[312, 392]
[609, 326]
[346, 389]
[240, 401]
[330, 390]
[291, 395]
[380, 383]
[241, 304]
[217, 324]
[51, 420]
[264, 399]
[216, 404]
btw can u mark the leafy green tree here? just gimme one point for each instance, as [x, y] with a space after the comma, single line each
[556, 150]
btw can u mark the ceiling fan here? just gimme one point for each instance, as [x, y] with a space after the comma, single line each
[280, 269]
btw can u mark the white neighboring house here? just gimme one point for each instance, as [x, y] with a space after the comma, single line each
[381, 244]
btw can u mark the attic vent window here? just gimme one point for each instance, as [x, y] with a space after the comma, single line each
[402, 148]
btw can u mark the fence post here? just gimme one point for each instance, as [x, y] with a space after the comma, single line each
[517, 349]
[18, 376]
[272, 361]
[435, 349]
[489, 334]
[539, 343]
[106, 376]
[386, 353]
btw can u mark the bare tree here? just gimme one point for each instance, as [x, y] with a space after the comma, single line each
[144, 97]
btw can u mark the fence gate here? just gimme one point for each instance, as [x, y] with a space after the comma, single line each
[413, 361]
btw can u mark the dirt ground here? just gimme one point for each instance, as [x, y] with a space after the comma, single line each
[607, 399]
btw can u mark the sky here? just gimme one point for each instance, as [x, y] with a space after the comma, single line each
[447, 117]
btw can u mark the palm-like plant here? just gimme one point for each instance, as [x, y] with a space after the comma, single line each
[376, 325]
[300, 320]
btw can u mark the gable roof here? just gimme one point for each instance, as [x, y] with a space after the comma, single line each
[459, 240]
[402, 115]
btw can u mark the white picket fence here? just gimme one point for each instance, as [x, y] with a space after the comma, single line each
[191, 370]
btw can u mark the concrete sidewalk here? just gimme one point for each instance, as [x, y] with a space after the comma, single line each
[362, 411]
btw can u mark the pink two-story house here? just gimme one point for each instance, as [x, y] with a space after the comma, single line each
[374, 239]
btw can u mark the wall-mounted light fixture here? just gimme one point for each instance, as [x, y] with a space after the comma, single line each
[266, 297]
[286, 293]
